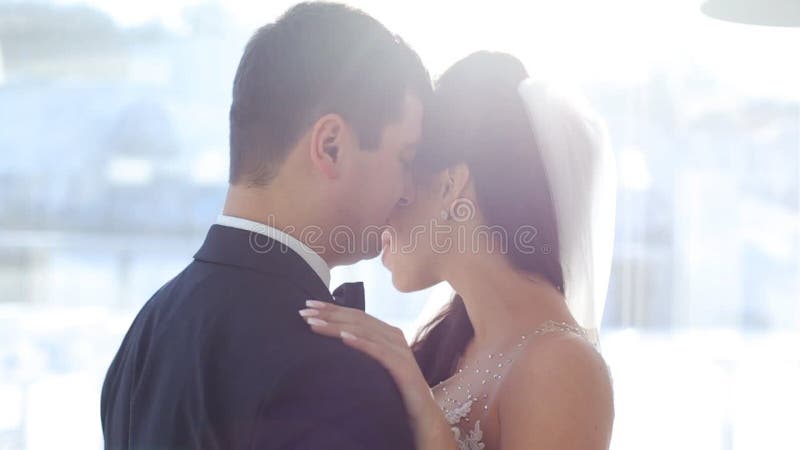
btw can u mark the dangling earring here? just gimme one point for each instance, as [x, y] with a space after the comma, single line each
[444, 215]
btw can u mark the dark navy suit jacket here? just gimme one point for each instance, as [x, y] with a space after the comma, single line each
[219, 358]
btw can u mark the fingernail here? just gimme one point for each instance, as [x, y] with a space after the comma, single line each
[309, 312]
[346, 335]
[315, 304]
[317, 322]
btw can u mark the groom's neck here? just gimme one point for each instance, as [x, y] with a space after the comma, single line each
[277, 207]
[261, 204]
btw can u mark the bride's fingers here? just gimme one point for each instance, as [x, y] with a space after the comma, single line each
[372, 349]
[379, 335]
[383, 346]
[326, 328]
[334, 314]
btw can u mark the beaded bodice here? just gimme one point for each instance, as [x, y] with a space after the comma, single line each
[465, 397]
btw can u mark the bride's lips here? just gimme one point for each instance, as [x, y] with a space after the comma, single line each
[386, 238]
[386, 242]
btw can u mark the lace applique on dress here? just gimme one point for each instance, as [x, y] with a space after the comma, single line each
[471, 387]
[455, 415]
[474, 438]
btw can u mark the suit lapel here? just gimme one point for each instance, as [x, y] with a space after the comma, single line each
[240, 248]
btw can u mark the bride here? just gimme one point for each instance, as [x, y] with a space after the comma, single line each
[514, 209]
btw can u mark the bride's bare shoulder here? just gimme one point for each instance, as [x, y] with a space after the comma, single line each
[561, 352]
[557, 394]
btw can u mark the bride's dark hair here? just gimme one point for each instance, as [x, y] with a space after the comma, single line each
[477, 117]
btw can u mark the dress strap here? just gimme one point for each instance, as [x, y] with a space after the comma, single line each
[552, 326]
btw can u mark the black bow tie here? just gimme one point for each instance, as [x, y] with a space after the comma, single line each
[350, 295]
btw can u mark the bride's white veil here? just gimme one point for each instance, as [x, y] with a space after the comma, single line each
[580, 169]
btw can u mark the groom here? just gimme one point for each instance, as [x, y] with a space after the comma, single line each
[326, 112]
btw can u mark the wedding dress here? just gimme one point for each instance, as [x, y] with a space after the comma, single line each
[465, 398]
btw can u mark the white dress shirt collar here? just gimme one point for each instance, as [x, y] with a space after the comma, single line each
[311, 257]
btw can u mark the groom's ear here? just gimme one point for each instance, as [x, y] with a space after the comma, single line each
[326, 140]
[455, 181]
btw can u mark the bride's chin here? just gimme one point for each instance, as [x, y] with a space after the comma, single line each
[402, 288]
[404, 276]
[407, 288]
[400, 283]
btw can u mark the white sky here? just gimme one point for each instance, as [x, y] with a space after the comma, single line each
[575, 41]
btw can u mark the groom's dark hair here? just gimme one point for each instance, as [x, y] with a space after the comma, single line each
[317, 58]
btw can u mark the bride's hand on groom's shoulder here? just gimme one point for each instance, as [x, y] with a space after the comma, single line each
[387, 345]
[376, 338]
